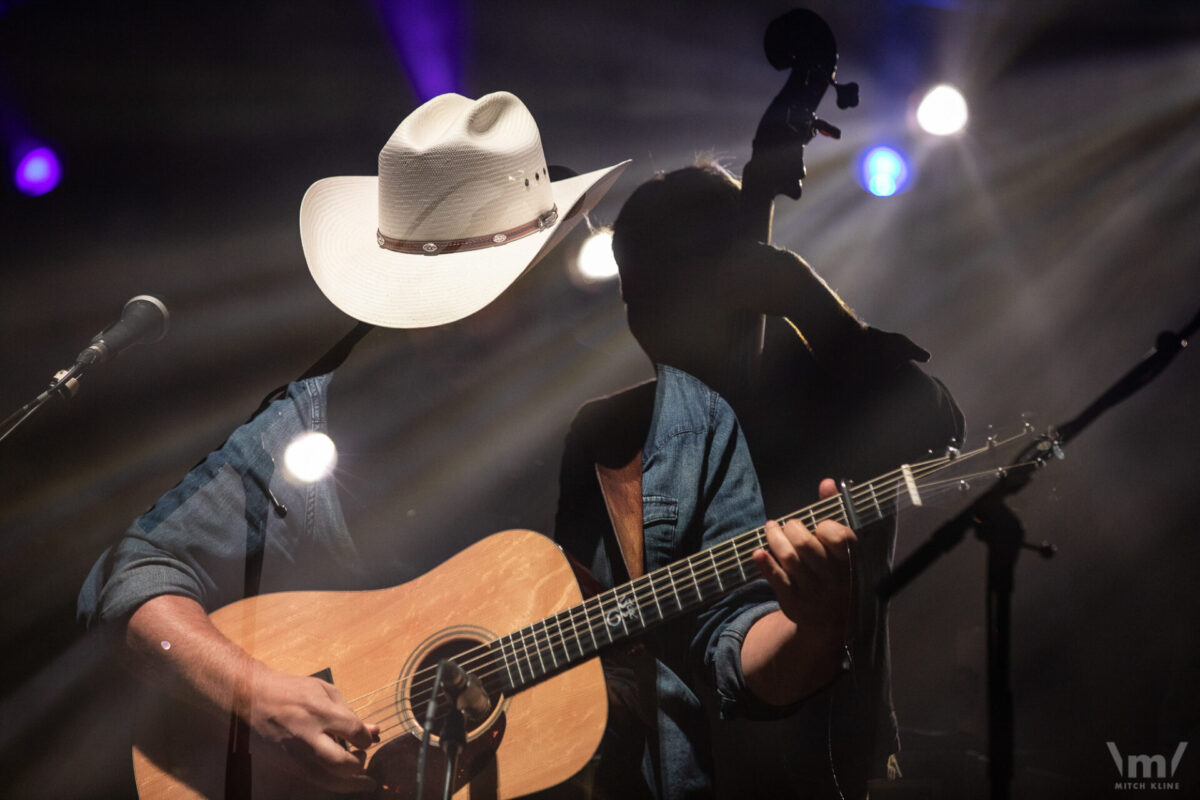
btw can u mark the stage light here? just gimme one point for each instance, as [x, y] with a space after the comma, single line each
[883, 172]
[594, 263]
[942, 111]
[37, 172]
[429, 37]
[310, 457]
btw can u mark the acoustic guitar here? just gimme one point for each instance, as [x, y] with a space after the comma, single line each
[510, 612]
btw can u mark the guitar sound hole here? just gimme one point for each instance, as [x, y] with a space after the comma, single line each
[394, 766]
[471, 655]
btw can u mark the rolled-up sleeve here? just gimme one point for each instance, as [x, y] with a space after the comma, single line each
[199, 538]
[184, 545]
[725, 502]
[194, 542]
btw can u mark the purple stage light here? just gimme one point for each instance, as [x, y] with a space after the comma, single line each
[428, 35]
[37, 172]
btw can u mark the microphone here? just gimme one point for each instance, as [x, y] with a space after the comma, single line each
[143, 320]
[469, 695]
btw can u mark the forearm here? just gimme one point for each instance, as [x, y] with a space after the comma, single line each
[170, 641]
[784, 285]
[784, 662]
[824, 321]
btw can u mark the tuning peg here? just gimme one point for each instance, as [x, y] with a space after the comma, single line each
[825, 129]
[847, 94]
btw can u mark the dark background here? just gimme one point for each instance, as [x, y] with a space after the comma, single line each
[1037, 256]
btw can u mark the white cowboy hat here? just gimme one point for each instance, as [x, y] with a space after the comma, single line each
[462, 206]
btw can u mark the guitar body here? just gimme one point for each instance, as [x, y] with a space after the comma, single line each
[369, 644]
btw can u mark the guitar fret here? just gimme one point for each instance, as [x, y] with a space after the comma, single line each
[674, 590]
[526, 633]
[612, 618]
[537, 648]
[507, 663]
[654, 610]
[712, 556]
[590, 626]
[567, 636]
[654, 594]
[562, 639]
[524, 668]
[604, 626]
[695, 583]
[525, 655]
[637, 605]
[549, 642]
[575, 633]
[606, 618]
[518, 658]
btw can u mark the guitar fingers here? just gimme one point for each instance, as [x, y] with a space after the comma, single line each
[327, 764]
[344, 723]
[835, 539]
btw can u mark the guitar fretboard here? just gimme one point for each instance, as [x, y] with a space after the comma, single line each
[580, 632]
[524, 657]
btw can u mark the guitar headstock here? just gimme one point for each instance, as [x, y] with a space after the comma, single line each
[1013, 455]
[1004, 460]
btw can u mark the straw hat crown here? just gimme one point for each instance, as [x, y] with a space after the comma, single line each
[458, 169]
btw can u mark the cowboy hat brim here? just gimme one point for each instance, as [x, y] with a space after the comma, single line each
[338, 222]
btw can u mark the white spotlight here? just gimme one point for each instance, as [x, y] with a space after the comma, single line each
[310, 457]
[943, 111]
[595, 262]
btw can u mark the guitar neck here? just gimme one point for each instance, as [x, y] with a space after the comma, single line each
[619, 614]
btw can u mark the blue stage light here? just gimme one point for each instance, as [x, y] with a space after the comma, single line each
[883, 172]
[37, 172]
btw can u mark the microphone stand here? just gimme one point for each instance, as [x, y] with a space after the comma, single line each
[1001, 530]
[452, 737]
[65, 384]
[453, 740]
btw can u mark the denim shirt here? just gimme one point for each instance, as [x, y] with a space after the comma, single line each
[698, 489]
[234, 526]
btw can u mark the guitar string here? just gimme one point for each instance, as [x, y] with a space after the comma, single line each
[583, 609]
[705, 580]
[547, 642]
[731, 555]
[703, 584]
